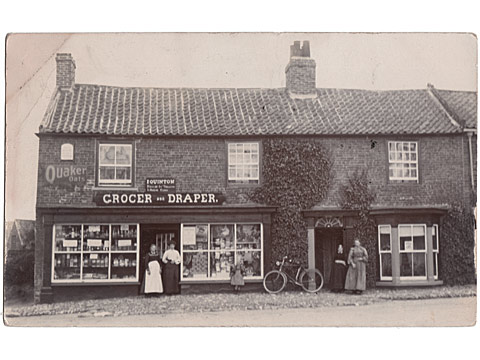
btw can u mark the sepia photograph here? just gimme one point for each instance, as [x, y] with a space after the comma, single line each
[240, 180]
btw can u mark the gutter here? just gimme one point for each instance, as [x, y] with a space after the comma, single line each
[469, 135]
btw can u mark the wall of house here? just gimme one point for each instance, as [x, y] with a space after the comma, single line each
[200, 165]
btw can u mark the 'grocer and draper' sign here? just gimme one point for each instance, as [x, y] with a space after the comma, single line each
[147, 199]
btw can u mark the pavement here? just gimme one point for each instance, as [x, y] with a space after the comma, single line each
[460, 311]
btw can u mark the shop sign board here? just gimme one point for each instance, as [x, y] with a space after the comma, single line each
[160, 185]
[148, 199]
[66, 176]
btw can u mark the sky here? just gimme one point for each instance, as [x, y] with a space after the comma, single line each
[344, 60]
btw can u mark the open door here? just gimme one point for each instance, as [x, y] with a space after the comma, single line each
[160, 235]
[326, 244]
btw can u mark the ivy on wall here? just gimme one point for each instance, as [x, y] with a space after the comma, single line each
[457, 244]
[296, 176]
[356, 195]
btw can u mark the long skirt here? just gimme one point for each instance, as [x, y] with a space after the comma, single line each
[237, 279]
[356, 277]
[171, 277]
[153, 282]
[338, 276]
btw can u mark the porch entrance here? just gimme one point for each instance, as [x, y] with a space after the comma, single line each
[160, 235]
[326, 244]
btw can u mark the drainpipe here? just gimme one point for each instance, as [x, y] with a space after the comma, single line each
[469, 134]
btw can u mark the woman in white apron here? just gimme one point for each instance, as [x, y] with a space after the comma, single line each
[153, 272]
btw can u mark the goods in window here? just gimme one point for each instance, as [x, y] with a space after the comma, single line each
[195, 265]
[248, 236]
[67, 238]
[124, 237]
[221, 237]
[251, 260]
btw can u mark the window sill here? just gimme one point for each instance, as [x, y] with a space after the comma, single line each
[93, 283]
[112, 188]
[408, 283]
[219, 281]
[403, 183]
[241, 185]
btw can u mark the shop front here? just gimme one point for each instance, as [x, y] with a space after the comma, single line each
[99, 252]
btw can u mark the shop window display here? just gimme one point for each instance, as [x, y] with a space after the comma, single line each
[211, 251]
[67, 256]
[92, 252]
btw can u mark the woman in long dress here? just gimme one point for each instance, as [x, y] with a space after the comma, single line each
[153, 272]
[339, 270]
[171, 273]
[356, 274]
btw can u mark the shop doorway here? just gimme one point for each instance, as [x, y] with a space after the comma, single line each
[326, 244]
[160, 235]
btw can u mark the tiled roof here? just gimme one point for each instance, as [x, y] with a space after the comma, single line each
[463, 104]
[94, 109]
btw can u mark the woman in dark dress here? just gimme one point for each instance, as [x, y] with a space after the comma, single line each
[357, 273]
[171, 272]
[339, 270]
[152, 281]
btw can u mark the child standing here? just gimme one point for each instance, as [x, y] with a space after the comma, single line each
[236, 277]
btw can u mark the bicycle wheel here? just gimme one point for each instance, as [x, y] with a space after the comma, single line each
[274, 281]
[311, 280]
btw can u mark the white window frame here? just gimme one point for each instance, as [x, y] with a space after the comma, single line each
[413, 251]
[382, 277]
[115, 182]
[209, 251]
[108, 252]
[437, 250]
[249, 163]
[394, 162]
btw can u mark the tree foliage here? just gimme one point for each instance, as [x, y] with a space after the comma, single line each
[296, 176]
[19, 267]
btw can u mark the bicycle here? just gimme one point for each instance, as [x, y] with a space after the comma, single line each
[311, 280]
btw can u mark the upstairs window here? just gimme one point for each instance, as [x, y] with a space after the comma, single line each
[66, 152]
[403, 161]
[243, 163]
[115, 164]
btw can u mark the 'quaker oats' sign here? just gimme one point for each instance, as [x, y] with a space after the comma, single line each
[148, 199]
[160, 185]
[66, 175]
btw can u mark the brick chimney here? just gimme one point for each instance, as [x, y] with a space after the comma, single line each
[65, 71]
[300, 72]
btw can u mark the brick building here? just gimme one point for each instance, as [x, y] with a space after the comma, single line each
[121, 168]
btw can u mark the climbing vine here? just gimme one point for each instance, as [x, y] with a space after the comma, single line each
[457, 245]
[356, 195]
[296, 176]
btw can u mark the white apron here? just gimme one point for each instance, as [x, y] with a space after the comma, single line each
[153, 282]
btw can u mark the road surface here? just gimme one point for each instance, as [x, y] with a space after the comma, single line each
[435, 312]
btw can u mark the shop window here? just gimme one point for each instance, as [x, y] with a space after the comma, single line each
[95, 252]
[435, 250]
[209, 251]
[403, 161]
[115, 165]
[243, 163]
[385, 250]
[412, 246]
